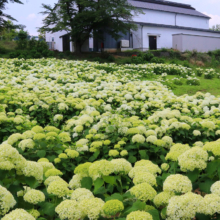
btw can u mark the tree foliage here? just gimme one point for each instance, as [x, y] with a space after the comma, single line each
[4, 17]
[8, 33]
[84, 18]
[216, 27]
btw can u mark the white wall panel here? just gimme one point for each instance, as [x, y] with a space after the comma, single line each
[192, 21]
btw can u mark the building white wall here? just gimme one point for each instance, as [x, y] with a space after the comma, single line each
[170, 18]
[185, 42]
[192, 21]
[155, 17]
[164, 36]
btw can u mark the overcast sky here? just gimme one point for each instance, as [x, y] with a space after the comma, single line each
[28, 14]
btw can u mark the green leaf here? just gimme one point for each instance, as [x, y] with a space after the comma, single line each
[3, 174]
[94, 156]
[138, 205]
[131, 147]
[127, 195]
[202, 217]
[219, 171]
[193, 175]
[86, 182]
[109, 179]
[155, 214]
[163, 158]
[51, 158]
[15, 188]
[132, 159]
[48, 208]
[211, 167]
[59, 151]
[205, 187]
[143, 154]
[98, 183]
[32, 182]
[41, 153]
[164, 211]
[100, 191]
[115, 196]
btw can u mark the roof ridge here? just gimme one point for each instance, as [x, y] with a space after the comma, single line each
[164, 2]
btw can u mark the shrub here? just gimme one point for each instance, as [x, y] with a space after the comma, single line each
[97, 59]
[164, 50]
[3, 50]
[175, 61]
[111, 58]
[178, 81]
[68, 53]
[186, 63]
[14, 54]
[209, 74]
[137, 60]
[60, 55]
[214, 62]
[192, 81]
[125, 61]
[157, 60]
[175, 54]
[50, 53]
[148, 56]
[199, 71]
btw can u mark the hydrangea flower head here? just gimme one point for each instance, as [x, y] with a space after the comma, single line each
[143, 192]
[112, 208]
[101, 168]
[18, 214]
[140, 215]
[81, 194]
[194, 158]
[69, 209]
[7, 200]
[121, 166]
[177, 183]
[34, 196]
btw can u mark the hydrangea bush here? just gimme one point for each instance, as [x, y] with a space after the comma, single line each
[82, 140]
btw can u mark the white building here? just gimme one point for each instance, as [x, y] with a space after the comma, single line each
[163, 24]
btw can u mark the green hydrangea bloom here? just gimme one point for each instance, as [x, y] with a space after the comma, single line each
[69, 209]
[140, 215]
[34, 196]
[18, 214]
[143, 192]
[112, 208]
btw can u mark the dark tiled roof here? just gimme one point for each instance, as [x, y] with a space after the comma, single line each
[166, 6]
[177, 27]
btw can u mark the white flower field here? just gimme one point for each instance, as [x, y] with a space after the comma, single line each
[81, 140]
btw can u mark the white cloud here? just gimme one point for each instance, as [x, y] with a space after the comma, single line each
[215, 19]
[31, 16]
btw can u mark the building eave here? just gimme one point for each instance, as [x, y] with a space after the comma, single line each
[176, 27]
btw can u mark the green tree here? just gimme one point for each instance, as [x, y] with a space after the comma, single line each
[85, 18]
[216, 27]
[8, 33]
[42, 34]
[4, 17]
[22, 39]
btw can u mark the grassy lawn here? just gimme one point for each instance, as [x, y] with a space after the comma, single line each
[206, 85]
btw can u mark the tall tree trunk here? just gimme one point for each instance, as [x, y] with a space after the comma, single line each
[77, 46]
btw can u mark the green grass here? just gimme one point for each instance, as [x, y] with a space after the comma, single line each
[206, 85]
